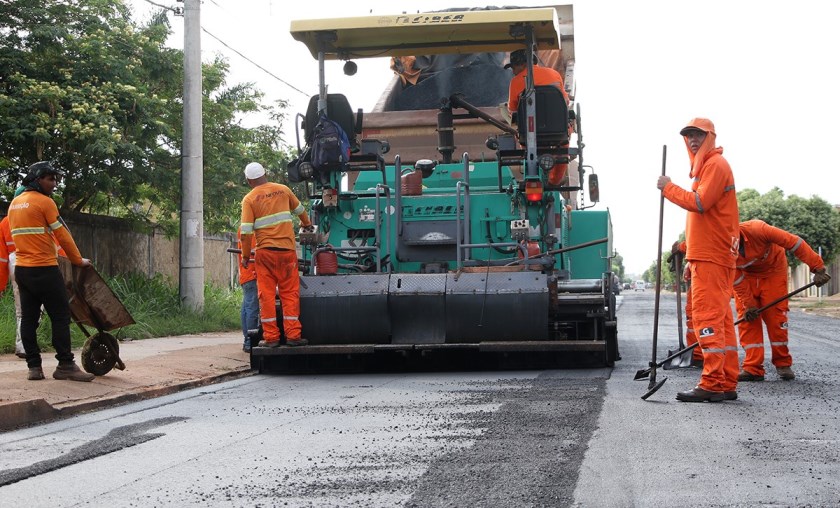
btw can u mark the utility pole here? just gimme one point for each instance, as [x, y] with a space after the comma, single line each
[192, 166]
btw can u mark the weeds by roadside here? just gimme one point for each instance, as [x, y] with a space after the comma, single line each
[154, 305]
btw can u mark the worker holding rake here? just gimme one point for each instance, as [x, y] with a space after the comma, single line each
[711, 249]
[763, 277]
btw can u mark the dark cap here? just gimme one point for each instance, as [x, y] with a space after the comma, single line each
[40, 170]
[517, 58]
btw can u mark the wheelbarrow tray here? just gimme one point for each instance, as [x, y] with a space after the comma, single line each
[93, 303]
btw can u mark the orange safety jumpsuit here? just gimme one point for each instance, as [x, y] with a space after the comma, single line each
[267, 219]
[711, 233]
[763, 277]
[7, 248]
[542, 76]
[245, 274]
[690, 334]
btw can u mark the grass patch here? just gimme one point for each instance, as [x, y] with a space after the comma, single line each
[153, 303]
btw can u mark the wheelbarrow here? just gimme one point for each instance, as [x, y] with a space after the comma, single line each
[93, 303]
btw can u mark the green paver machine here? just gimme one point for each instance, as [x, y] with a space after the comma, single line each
[443, 232]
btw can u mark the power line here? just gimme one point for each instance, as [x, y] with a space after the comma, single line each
[179, 11]
[255, 63]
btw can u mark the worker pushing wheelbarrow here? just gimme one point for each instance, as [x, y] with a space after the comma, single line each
[93, 303]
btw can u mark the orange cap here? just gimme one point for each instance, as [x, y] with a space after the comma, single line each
[700, 124]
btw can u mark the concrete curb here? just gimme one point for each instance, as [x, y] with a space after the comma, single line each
[19, 414]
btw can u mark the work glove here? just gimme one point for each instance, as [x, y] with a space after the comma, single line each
[821, 278]
[751, 314]
[675, 249]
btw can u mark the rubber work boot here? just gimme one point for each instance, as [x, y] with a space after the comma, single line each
[697, 363]
[746, 376]
[698, 394]
[273, 343]
[786, 373]
[72, 372]
[296, 342]
[733, 395]
[35, 373]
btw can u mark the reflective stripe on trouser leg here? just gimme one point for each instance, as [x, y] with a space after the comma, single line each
[266, 288]
[690, 333]
[711, 287]
[751, 334]
[289, 286]
[776, 319]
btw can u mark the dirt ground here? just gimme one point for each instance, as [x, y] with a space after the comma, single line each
[825, 306]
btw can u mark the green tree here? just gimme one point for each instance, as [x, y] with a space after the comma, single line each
[618, 266]
[813, 219]
[83, 85]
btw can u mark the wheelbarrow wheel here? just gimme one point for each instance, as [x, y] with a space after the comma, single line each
[100, 353]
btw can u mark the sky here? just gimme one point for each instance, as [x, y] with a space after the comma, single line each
[762, 71]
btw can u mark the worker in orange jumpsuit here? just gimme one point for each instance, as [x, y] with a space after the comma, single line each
[690, 334]
[543, 76]
[711, 234]
[7, 275]
[763, 277]
[267, 222]
[249, 312]
[36, 225]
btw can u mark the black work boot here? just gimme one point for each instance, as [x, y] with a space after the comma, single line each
[698, 394]
[35, 374]
[72, 372]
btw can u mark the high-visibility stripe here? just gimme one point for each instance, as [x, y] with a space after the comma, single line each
[55, 225]
[4, 260]
[731, 348]
[290, 318]
[247, 228]
[698, 203]
[272, 220]
[752, 346]
[299, 210]
[268, 320]
[798, 243]
[29, 231]
[715, 350]
[779, 343]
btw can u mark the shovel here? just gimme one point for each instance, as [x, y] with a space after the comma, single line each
[653, 385]
[643, 373]
[682, 361]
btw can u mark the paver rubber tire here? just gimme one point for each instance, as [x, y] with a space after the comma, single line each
[100, 353]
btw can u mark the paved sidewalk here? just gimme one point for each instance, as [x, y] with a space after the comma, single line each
[154, 367]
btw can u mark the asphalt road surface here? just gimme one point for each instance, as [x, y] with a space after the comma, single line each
[566, 437]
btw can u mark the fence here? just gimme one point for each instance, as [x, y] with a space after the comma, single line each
[116, 247]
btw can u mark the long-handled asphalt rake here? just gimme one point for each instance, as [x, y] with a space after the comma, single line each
[682, 361]
[653, 385]
[643, 373]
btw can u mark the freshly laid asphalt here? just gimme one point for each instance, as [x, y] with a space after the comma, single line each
[154, 367]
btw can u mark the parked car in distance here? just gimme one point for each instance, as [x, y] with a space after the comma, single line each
[626, 285]
[639, 285]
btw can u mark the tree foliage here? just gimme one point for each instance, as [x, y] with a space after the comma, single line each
[84, 86]
[813, 219]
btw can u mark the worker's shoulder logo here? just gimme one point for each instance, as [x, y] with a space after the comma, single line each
[707, 332]
[19, 206]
